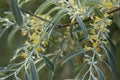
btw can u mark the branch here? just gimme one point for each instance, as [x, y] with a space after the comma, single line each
[87, 19]
[38, 17]
[65, 25]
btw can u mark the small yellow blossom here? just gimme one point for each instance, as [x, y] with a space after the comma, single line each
[101, 57]
[87, 48]
[44, 43]
[23, 32]
[24, 55]
[95, 44]
[107, 5]
[92, 31]
[32, 36]
[43, 50]
[96, 27]
[26, 42]
[72, 2]
[98, 49]
[106, 15]
[93, 37]
[62, 4]
[38, 49]
[103, 29]
[35, 41]
[97, 19]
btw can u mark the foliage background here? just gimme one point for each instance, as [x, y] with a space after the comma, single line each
[6, 52]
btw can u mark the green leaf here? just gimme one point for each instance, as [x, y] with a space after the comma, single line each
[100, 74]
[12, 35]
[43, 7]
[98, 13]
[111, 62]
[82, 66]
[54, 21]
[82, 25]
[27, 76]
[71, 32]
[33, 70]
[63, 43]
[16, 12]
[52, 10]
[48, 63]
[71, 55]
[112, 46]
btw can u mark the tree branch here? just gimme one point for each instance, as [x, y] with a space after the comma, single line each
[65, 25]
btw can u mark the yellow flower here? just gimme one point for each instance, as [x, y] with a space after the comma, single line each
[72, 2]
[62, 4]
[97, 19]
[107, 5]
[93, 37]
[32, 36]
[38, 49]
[95, 44]
[101, 57]
[23, 32]
[87, 48]
[24, 55]
[106, 15]
[43, 50]
[44, 43]
[103, 29]
[98, 49]
[35, 41]
[92, 31]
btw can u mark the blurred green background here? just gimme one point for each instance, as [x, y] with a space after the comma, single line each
[6, 52]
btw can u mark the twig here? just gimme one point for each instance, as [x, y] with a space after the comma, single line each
[65, 25]
[33, 15]
[87, 19]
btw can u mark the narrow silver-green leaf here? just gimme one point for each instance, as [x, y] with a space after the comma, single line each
[100, 74]
[112, 46]
[62, 45]
[48, 63]
[27, 76]
[111, 62]
[55, 20]
[98, 13]
[71, 55]
[12, 35]
[17, 12]
[43, 7]
[33, 70]
[82, 26]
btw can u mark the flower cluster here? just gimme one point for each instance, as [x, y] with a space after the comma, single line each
[33, 31]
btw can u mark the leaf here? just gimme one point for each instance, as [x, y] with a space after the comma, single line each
[33, 70]
[16, 12]
[82, 25]
[71, 32]
[98, 13]
[54, 21]
[111, 62]
[27, 76]
[12, 35]
[100, 74]
[43, 7]
[52, 10]
[48, 63]
[71, 55]
[62, 45]
[80, 69]
[112, 46]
